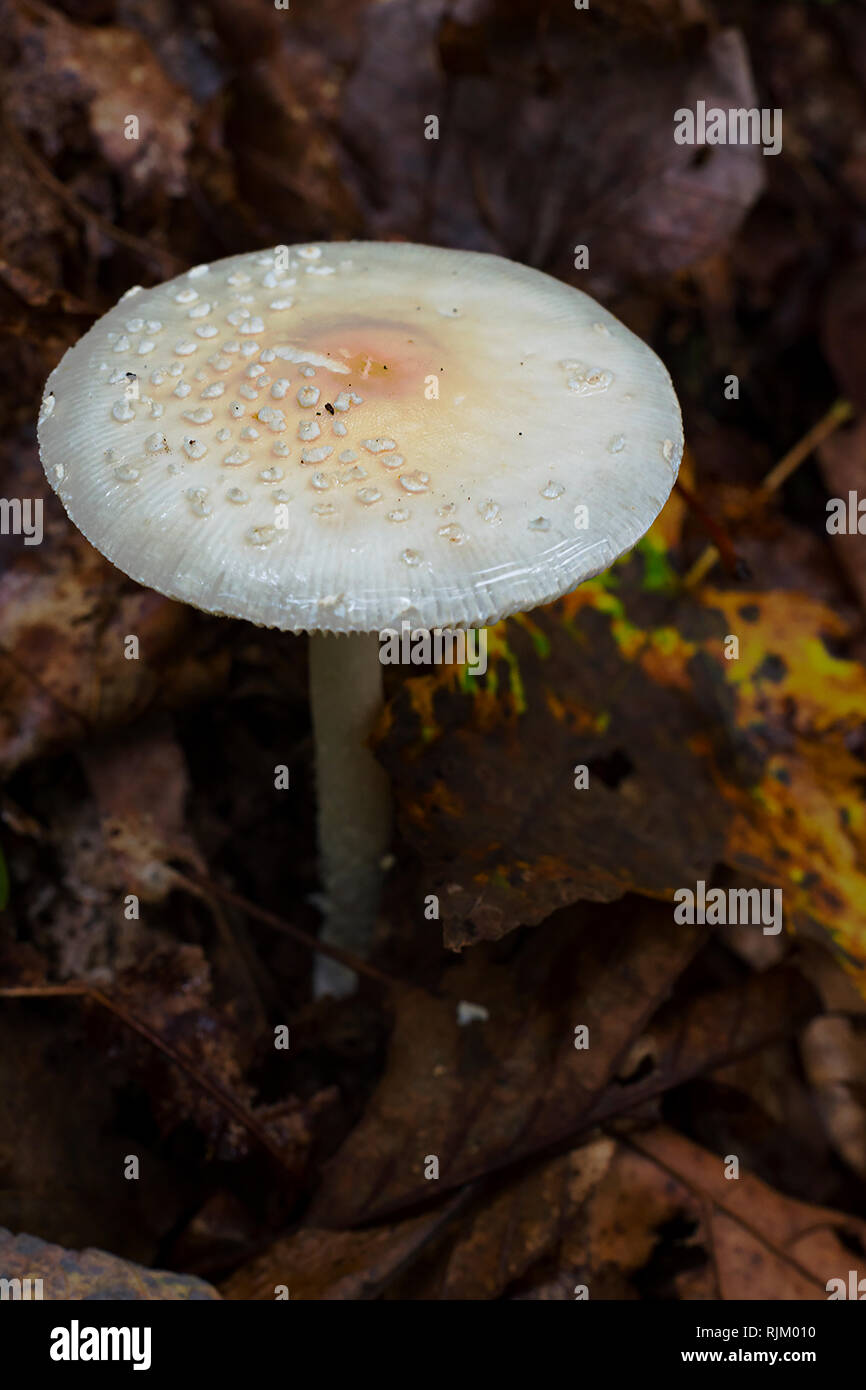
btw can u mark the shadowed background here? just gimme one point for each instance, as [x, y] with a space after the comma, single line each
[557, 1166]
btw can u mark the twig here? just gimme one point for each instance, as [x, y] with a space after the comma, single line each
[21, 670]
[724, 546]
[202, 887]
[241, 959]
[632, 1141]
[837, 415]
[222, 1097]
[168, 263]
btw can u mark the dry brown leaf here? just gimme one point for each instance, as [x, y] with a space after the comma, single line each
[489, 1093]
[520, 1226]
[330, 1265]
[141, 785]
[834, 1056]
[62, 1150]
[563, 691]
[111, 72]
[763, 1244]
[843, 465]
[531, 156]
[65, 615]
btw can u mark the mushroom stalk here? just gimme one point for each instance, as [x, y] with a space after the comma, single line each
[354, 803]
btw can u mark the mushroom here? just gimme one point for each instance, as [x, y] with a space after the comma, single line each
[339, 439]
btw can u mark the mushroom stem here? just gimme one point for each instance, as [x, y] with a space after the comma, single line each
[354, 802]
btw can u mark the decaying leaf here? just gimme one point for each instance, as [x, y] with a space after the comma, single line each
[140, 793]
[834, 1055]
[565, 690]
[763, 756]
[338, 1265]
[556, 1109]
[111, 73]
[762, 1245]
[488, 1093]
[842, 465]
[62, 1151]
[66, 618]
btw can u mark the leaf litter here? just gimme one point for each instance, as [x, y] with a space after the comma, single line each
[559, 1165]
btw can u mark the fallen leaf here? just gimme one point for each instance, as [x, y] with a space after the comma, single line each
[65, 616]
[565, 690]
[694, 1036]
[763, 1244]
[528, 161]
[63, 1148]
[763, 748]
[323, 1265]
[834, 1056]
[842, 458]
[486, 1094]
[141, 788]
[519, 1227]
[111, 73]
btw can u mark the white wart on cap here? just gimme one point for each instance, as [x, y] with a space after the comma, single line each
[367, 434]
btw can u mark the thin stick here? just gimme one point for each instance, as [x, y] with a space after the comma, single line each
[202, 887]
[839, 412]
[223, 1098]
[168, 263]
[632, 1141]
[723, 543]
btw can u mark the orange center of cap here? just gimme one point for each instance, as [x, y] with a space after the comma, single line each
[384, 358]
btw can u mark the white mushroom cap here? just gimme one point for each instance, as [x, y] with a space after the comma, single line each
[343, 436]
